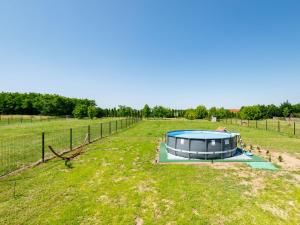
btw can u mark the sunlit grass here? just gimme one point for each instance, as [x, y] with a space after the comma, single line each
[115, 182]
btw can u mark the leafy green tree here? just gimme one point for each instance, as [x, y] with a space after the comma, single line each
[271, 111]
[34, 103]
[212, 111]
[161, 112]
[91, 111]
[285, 105]
[286, 112]
[250, 112]
[201, 112]
[124, 111]
[296, 108]
[190, 114]
[222, 113]
[146, 111]
[80, 111]
[100, 112]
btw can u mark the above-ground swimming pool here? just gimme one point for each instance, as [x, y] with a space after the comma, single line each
[201, 144]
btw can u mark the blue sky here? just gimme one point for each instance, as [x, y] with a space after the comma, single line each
[174, 53]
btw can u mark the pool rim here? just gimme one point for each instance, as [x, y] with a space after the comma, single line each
[235, 134]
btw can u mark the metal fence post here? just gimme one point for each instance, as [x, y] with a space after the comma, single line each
[294, 128]
[116, 126]
[101, 130]
[89, 134]
[266, 124]
[278, 126]
[71, 139]
[43, 146]
[109, 127]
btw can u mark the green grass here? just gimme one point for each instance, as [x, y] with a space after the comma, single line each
[21, 144]
[115, 182]
[281, 126]
[24, 119]
[270, 139]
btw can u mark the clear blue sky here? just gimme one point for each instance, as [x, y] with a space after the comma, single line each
[175, 53]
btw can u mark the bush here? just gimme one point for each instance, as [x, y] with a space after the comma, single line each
[190, 114]
[80, 111]
[91, 111]
[146, 111]
[250, 113]
[201, 112]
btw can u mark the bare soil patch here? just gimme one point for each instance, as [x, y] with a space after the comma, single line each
[284, 160]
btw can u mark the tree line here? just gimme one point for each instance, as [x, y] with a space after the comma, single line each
[41, 104]
[56, 105]
[257, 112]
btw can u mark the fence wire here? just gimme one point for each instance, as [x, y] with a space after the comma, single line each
[19, 151]
[25, 119]
[291, 128]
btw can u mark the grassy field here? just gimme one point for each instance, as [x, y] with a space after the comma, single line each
[290, 128]
[271, 139]
[116, 182]
[21, 119]
[21, 144]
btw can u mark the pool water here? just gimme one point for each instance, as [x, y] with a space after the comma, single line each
[201, 134]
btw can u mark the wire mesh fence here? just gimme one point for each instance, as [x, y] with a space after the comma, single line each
[23, 119]
[20, 151]
[283, 126]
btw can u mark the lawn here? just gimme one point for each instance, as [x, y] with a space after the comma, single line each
[21, 144]
[117, 182]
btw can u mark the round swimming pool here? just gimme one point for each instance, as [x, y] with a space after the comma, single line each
[201, 144]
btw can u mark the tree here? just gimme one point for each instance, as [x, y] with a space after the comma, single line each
[286, 112]
[43, 104]
[91, 111]
[212, 111]
[250, 112]
[80, 111]
[161, 112]
[190, 114]
[272, 111]
[296, 108]
[146, 111]
[287, 107]
[222, 113]
[201, 112]
[100, 112]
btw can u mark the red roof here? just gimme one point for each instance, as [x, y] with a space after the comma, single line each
[234, 110]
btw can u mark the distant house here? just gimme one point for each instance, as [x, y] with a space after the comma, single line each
[234, 110]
